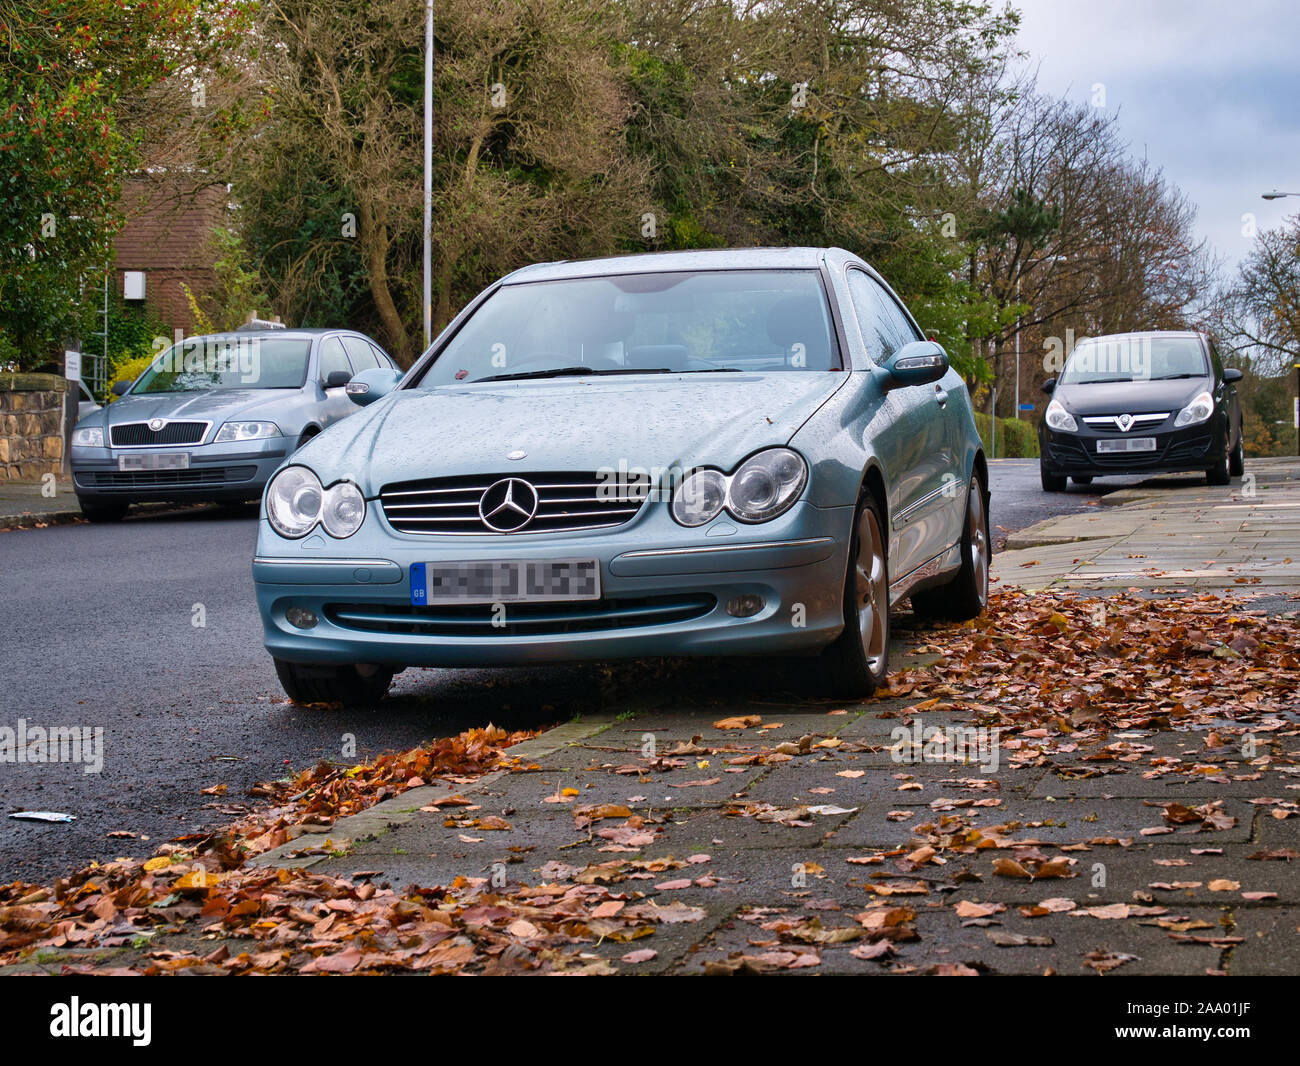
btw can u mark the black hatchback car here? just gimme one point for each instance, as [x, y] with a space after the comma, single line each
[1140, 403]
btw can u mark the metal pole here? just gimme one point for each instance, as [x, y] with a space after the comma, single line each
[1017, 349]
[428, 172]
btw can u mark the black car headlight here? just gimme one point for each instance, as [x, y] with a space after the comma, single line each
[763, 486]
[1196, 412]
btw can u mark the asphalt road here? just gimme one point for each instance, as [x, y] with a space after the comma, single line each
[99, 625]
[1017, 499]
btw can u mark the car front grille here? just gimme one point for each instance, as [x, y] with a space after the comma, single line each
[559, 502]
[139, 435]
[149, 479]
[520, 619]
[1135, 422]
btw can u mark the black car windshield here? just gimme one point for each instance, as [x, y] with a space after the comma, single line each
[1135, 357]
[200, 364]
[628, 324]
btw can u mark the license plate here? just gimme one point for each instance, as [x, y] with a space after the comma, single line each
[1127, 444]
[154, 461]
[534, 581]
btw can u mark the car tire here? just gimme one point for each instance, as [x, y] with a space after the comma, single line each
[1221, 472]
[966, 595]
[1085, 480]
[104, 512]
[1051, 482]
[1237, 460]
[856, 663]
[328, 683]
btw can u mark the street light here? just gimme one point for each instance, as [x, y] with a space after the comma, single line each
[1276, 195]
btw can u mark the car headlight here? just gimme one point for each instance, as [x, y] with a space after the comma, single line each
[1199, 410]
[344, 510]
[90, 437]
[700, 498]
[236, 431]
[1058, 418]
[293, 501]
[766, 485]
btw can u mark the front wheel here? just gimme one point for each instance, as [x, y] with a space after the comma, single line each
[352, 686]
[1221, 472]
[966, 595]
[856, 663]
[104, 512]
[1051, 482]
[1237, 460]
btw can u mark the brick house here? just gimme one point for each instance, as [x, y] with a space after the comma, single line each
[165, 237]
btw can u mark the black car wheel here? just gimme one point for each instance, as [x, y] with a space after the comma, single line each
[325, 683]
[1237, 461]
[104, 512]
[1221, 472]
[856, 663]
[966, 595]
[1051, 482]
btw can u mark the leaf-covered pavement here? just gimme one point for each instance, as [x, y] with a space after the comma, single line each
[1142, 818]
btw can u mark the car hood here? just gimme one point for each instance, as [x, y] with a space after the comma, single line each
[569, 425]
[215, 405]
[1138, 397]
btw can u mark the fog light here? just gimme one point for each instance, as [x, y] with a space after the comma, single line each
[301, 617]
[744, 606]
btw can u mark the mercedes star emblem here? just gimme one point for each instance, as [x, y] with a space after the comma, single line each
[508, 505]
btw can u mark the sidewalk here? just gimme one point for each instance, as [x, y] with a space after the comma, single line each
[23, 504]
[1174, 534]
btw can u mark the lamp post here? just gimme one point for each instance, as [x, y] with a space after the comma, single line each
[1276, 195]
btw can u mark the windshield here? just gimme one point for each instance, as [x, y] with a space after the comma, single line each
[683, 322]
[199, 364]
[1138, 357]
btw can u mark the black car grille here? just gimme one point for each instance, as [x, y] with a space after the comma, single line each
[148, 479]
[521, 619]
[565, 501]
[139, 435]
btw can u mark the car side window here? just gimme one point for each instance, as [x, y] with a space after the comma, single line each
[382, 358]
[884, 327]
[1215, 361]
[361, 354]
[332, 358]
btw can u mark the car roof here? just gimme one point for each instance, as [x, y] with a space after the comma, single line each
[303, 333]
[1147, 333]
[664, 262]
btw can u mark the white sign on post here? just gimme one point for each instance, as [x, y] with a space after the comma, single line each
[72, 366]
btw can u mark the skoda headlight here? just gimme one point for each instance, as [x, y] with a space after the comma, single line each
[236, 431]
[766, 484]
[700, 498]
[90, 437]
[1058, 418]
[344, 509]
[293, 501]
[1199, 410]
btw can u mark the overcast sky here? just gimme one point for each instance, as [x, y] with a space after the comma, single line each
[1209, 90]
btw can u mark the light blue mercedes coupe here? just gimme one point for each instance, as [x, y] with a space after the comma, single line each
[689, 453]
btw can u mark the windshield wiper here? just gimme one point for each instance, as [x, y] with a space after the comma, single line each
[573, 371]
[1175, 377]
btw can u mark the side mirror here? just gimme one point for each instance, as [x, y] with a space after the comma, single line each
[120, 387]
[1232, 374]
[336, 379]
[1049, 385]
[917, 363]
[373, 384]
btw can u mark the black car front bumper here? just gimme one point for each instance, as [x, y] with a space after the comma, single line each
[1198, 448]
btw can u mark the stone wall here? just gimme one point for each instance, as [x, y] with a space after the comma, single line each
[31, 425]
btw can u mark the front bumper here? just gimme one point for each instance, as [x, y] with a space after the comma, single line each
[1191, 448]
[664, 591]
[221, 472]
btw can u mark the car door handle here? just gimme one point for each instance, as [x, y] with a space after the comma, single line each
[940, 395]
